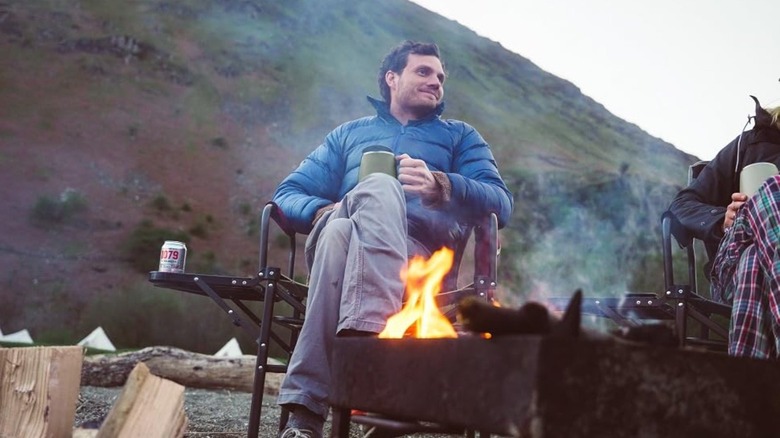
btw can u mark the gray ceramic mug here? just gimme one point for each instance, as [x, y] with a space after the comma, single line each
[377, 159]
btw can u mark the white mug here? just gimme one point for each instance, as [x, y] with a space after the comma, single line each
[753, 175]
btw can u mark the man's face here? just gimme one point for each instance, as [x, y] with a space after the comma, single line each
[419, 88]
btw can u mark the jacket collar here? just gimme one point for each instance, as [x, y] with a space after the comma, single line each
[383, 110]
[763, 118]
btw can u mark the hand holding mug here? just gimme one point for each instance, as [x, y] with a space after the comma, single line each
[415, 177]
[737, 200]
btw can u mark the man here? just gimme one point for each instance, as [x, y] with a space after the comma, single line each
[361, 234]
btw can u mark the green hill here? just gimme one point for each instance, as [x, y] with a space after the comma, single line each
[123, 123]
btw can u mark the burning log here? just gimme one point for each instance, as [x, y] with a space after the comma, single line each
[531, 319]
[534, 319]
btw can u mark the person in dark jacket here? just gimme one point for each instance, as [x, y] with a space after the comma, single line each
[362, 233]
[734, 227]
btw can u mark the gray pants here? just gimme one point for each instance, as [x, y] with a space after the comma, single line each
[355, 254]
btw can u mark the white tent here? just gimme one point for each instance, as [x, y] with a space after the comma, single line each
[20, 337]
[231, 349]
[97, 340]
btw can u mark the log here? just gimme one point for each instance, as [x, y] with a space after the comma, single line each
[39, 388]
[533, 318]
[193, 370]
[149, 407]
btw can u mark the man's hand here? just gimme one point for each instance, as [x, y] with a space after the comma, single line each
[416, 178]
[737, 199]
[321, 212]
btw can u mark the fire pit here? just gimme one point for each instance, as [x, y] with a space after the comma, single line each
[552, 387]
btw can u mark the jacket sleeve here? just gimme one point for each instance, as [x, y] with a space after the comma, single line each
[477, 187]
[313, 185]
[701, 207]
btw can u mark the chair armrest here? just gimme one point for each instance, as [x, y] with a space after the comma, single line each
[273, 214]
[278, 216]
[666, 249]
[486, 248]
[671, 228]
[681, 234]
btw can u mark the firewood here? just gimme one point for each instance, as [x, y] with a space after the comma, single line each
[534, 319]
[39, 388]
[148, 407]
[192, 370]
[478, 316]
[530, 319]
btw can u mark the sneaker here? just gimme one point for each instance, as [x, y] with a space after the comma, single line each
[294, 432]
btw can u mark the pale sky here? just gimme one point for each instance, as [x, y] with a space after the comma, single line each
[682, 70]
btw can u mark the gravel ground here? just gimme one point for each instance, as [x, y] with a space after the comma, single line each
[210, 413]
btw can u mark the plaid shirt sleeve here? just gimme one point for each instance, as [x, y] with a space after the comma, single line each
[747, 271]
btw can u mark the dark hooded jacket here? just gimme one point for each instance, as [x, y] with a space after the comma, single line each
[448, 146]
[701, 207]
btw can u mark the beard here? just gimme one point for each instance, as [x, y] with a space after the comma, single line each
[420, 106]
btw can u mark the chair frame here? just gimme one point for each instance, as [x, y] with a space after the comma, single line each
[274, 284]
[690, 304]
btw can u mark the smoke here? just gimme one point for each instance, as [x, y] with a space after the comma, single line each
[598, 232]
[581, 251]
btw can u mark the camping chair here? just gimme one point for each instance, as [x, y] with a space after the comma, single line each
[273, 286]
[690, 305]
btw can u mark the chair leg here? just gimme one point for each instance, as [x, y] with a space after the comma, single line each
[262, 361]
[705, 331]
[340, 426]
[681, 321]
[257, 391]
[284, 417]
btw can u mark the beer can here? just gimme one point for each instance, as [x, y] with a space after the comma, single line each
[172, 256]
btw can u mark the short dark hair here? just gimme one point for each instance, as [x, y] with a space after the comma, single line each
[398, 57]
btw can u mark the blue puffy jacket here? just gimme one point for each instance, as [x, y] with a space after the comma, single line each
[449, 146]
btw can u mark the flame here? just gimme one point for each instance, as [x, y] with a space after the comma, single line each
[420, 315]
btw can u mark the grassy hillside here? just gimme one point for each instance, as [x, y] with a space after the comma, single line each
[125, 123]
